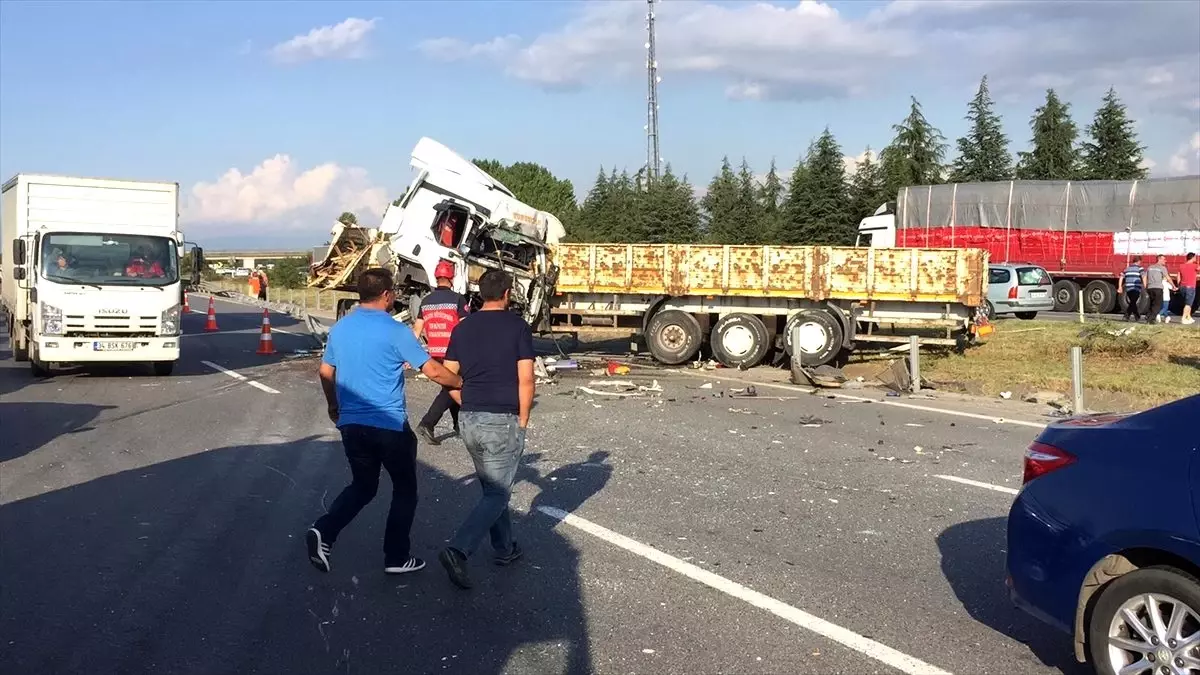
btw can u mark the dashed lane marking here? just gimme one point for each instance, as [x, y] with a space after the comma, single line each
[979, 484]
[859, 643]
[240, 377]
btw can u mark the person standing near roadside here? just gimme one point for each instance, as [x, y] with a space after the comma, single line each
[1132, 281]
[493, 351]
[362, 376]
[1156, 278]
[440, 312]
[1187, 286]
[263, 282]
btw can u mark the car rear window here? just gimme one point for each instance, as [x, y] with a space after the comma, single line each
[998, 275]
[1032, 276]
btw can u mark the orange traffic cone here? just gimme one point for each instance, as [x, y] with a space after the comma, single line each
[211, 325]
[186, 308]
[265, 344]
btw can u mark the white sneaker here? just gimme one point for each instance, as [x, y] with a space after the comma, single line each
[1188, 321]
[1166, 319]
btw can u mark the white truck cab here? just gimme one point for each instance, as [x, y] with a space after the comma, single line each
[91, 271]
[878, 230]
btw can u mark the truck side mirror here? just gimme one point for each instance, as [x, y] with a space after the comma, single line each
[18, 252]
[19, 273]
[197, 264]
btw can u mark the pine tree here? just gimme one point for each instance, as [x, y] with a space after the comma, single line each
[720, 205]
[593, 222]
[867, 189]
[627, 227]
[983, 152]
[668, 210]
[817, 207]
[1112, 151]
[915, 155]
[1053, 154]
[770, 201]
[748, 214]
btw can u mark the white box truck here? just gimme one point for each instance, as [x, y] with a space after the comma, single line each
[90, 271]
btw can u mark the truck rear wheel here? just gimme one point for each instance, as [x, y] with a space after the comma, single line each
[673, 336]
[820, 337]
[1099, 297]
[739, 340]
[1066, 296]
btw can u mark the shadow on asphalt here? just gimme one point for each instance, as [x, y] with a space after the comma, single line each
[973, 563]
[197, 565]
[40, 423]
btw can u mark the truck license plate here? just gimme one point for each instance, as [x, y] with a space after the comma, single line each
[113, 345]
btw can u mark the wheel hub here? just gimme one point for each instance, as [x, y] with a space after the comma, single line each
[813, 337]
[737, 341]
[673, 337]
[1154, 633]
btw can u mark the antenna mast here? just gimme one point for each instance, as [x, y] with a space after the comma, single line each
[653, 160]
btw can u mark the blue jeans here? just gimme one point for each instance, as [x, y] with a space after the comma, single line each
[495, 442]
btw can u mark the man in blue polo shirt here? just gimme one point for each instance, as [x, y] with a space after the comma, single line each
[1130, 285]
[362, 375]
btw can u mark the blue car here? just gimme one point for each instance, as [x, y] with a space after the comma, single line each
[1103, 541]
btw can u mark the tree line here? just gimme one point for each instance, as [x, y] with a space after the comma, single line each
[820, 202]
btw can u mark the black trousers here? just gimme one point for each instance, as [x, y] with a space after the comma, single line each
[262, 294]
[1131, 303]
[368, 448]
[441, 403]
[1156, 303]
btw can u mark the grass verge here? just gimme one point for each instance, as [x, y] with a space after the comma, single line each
[1139, 368]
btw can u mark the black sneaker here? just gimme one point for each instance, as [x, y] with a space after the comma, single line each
[426, 435]
[318, 550]
[456, 567]
[514, 554]
[411, 565]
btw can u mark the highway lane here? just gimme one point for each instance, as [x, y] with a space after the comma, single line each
[154, 525]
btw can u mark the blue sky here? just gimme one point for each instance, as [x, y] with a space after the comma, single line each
[188, 91]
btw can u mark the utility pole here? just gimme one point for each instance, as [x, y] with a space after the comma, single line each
[653, 160]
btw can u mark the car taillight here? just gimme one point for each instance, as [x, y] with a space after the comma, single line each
[1012, 293]
[1041, 459]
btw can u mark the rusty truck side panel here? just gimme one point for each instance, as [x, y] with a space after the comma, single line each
[811, 272]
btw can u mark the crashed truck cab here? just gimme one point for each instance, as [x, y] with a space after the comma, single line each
[451, 211]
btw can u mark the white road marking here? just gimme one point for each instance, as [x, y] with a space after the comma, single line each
[859, 643]
[240, 377]
[979, 484]
[860, 399]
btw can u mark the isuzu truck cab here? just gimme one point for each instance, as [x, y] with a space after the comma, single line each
[90, 271]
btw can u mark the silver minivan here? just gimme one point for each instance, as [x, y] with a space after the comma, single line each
[1023, 290]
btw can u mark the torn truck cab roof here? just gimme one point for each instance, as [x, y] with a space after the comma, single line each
[450, 175]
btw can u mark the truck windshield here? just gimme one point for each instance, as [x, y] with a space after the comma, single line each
[109, 259]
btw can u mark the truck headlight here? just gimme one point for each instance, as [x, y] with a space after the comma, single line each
[170, 320]
[52, 323]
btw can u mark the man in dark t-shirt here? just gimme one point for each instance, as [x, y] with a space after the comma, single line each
[493, 351]
[440, 312]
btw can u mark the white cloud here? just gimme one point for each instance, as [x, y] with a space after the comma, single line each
[808, 50]
[277, 192]
[1186, 160]
[346, 40]
[851, 163]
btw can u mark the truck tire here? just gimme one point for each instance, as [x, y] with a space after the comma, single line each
[38, 369]
[1099, 297]
[820, 337]
[673, 336]
[739, 340]
[1066, 296]
[1143, 304]
[163, 368]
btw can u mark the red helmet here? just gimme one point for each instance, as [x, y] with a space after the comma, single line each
[444, 270]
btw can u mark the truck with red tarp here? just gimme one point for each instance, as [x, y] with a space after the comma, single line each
[1084, 233]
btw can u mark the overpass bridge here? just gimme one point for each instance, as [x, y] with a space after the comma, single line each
[251, 259]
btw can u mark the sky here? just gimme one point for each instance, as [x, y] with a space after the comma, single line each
[275, 117]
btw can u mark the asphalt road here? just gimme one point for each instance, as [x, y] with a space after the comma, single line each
[155, 525]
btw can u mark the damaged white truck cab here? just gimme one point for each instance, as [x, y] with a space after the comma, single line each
[451, 211]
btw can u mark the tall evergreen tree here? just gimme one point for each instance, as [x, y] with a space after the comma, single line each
[770, 203]
[817, 206]
[983, 152]
[720, 205]
[1112, 151]
[749, 211]
[627, 227]
[593, 222]
[1053, 154]
[916, 154]
[668, 210]
[867, 189]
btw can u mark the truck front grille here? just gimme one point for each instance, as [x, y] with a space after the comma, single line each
[79, 325]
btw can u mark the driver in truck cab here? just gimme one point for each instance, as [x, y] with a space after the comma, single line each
[141, 265]
[59, 263]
